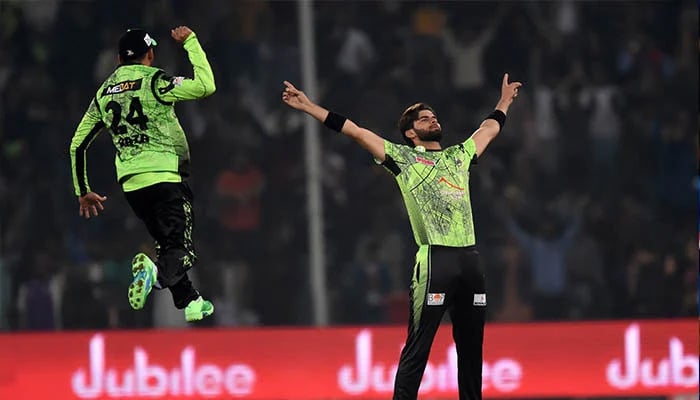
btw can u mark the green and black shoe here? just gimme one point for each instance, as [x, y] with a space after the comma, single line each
[144, 272]
[198, 309]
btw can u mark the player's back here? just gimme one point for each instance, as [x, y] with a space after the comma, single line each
[144, 128]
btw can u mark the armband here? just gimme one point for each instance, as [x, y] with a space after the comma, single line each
[335, 121]
[499, 116]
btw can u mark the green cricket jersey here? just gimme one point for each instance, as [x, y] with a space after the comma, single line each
[435, 189]
[136, 103]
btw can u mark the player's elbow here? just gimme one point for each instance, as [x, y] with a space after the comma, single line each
[74, 145]
[351, 130]
[209, 88]
[483, 137]
[351, 133]
[488, 132]
[493, 133]
[206, 88]
[491, 126]
[206, 91]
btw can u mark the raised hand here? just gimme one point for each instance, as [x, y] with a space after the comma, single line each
[295, 98]
[509, 91]
[90, 203]
[180, 33]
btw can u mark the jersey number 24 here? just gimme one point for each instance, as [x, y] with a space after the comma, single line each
[135, 117]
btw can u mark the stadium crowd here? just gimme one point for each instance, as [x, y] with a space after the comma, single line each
[585, 205]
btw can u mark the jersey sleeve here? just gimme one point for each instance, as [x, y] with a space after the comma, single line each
[88, 129]
[178, 88]
[397, 157]
[468, 147]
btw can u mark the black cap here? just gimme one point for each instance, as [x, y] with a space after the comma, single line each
[135, 43]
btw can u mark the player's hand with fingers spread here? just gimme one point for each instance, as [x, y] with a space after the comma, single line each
[295, 98]
[90, 203]
[509, 91]
[180, 33]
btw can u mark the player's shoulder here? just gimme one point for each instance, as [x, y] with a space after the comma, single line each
[394, 144]
[464, 147]
[126, 78]
[130, 72]
[459, 153]
[398, 149]
[455, 148]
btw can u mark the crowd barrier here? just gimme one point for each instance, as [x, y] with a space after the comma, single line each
[614, 358]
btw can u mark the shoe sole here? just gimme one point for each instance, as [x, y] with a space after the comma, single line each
[200, 316]
[139, 287]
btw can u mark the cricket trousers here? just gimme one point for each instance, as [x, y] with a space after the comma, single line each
[445, 279]
[166, 209]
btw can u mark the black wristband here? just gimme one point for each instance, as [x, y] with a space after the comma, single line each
[335, 121]
[499, 116]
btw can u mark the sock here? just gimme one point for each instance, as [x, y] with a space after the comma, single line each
[156, 285]
[183, 292]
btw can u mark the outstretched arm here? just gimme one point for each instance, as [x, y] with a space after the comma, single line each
[369, 140]
[491, 127]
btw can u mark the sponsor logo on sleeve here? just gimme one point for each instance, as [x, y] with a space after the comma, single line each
[174, 81]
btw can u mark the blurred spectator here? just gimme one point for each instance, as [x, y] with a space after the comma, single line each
[383, 242]
[36, 302]
[604, 128]
[514, 303]
[238, 192]
[365, 289]
[235, 295]
[648, 274]
[355, 54]
[465, 44]
[547, 249]
[588, 290]
[675, 158]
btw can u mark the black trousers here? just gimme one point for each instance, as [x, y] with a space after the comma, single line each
[445, 279]
[166, 209]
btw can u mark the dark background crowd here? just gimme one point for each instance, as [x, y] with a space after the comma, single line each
[585, 205]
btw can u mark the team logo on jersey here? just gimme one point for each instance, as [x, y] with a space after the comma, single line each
[425, 161]
[480, 299]
[436, 299]
[122, 87]
[174, 81]
[458, 162]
